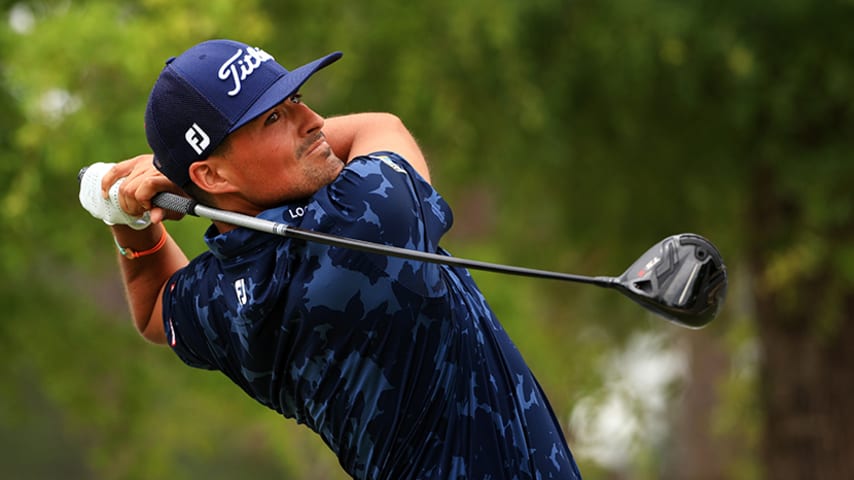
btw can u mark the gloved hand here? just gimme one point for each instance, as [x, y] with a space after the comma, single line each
[106, 209]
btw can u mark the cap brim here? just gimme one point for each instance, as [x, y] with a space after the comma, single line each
[284, 88]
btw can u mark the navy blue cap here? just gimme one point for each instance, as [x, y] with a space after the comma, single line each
[209, 91]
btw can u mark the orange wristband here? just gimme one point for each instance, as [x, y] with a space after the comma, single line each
[133, 255]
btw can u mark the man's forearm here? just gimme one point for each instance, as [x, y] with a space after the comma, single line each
[341, 131]
[364, 133]
[145, 276]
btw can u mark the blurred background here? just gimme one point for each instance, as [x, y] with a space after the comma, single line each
[567, 135]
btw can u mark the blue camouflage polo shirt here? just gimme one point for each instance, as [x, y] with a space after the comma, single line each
[399, 365]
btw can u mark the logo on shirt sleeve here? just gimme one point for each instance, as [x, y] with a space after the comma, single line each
[385, 159]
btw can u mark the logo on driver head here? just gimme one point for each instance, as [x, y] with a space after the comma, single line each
[197, 138]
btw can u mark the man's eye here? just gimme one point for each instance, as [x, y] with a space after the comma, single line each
[296, 98]
[272, 118]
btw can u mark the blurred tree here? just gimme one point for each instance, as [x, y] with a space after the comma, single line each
[567, 135]
[731, 119]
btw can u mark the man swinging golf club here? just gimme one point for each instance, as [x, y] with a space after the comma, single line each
[399, 365]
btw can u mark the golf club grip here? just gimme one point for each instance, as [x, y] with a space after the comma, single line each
[175, 203]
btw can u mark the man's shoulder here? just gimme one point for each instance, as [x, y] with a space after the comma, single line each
[379, 160]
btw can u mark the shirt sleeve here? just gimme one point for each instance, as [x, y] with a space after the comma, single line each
[179, 319]
[381, 198]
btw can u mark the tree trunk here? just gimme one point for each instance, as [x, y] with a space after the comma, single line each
[808, 396]
[697, 453]
[807, 362]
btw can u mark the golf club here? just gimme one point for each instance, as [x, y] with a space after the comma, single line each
[681, 278]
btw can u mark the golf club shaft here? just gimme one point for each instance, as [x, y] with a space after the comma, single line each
[186, 206]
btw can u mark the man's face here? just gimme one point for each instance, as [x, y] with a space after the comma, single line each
[282, 155]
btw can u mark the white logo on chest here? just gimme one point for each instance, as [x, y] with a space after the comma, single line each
[240, 290]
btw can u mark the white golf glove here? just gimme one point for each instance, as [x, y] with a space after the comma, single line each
[107, 209]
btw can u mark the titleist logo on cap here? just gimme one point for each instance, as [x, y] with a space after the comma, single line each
[253, 59]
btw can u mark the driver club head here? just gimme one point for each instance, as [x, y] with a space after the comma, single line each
[682, 278]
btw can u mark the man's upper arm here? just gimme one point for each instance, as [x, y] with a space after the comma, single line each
[360, 134]
[154, 331]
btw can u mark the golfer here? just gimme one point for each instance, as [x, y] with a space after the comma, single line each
[400, 366]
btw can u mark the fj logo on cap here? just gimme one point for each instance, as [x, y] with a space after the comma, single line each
[197, 138]
[253, 59]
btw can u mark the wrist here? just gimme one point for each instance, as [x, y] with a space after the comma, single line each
[133, 244]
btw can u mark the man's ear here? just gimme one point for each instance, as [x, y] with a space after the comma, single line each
[207, 176]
